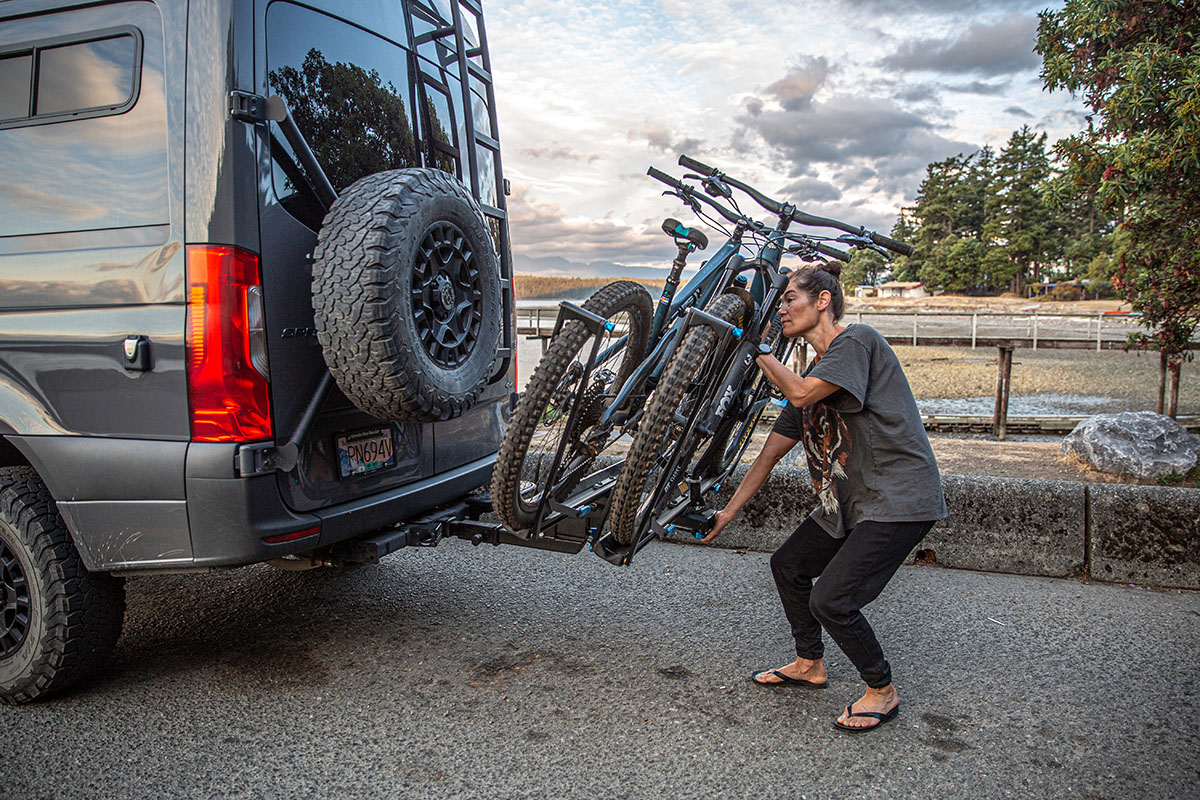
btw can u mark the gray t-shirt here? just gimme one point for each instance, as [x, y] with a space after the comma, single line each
[868, 454]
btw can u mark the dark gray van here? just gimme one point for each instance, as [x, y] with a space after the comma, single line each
[205, 361]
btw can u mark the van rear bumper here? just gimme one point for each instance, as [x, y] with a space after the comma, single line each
[250, 510]
[152, 506]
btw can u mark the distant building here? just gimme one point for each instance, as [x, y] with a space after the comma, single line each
[903, 289]
[864, 291]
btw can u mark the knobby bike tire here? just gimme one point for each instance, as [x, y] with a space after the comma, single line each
[657, 438]
[555, 382]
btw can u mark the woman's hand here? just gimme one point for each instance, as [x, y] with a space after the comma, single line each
[723, 518]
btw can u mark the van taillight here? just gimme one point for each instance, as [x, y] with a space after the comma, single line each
[228, 390]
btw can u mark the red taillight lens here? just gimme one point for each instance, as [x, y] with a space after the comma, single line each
[229, 398]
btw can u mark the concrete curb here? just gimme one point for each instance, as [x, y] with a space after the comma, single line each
[1106, 532]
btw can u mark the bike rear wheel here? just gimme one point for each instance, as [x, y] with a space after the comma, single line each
[525, 464]
[665, 441]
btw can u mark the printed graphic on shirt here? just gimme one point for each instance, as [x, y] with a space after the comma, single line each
[827, 443]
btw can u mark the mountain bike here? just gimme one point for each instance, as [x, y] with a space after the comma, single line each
[694, 362]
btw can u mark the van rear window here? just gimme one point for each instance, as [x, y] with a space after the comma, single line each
[348, 91]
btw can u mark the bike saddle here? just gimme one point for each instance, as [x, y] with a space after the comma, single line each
[675, 228]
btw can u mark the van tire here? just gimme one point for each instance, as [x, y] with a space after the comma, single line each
[406, 295]
[60, 622]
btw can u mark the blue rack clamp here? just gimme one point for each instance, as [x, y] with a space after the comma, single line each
[608, 326]
[670, 529]
[737, 333]
[584, 511]
[698, 534]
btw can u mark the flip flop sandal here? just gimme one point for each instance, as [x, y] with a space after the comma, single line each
[883, 719]
[784, 681]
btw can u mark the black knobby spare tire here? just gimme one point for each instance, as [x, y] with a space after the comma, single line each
[406, 295]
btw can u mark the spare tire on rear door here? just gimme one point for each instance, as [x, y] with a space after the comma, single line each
[406, 295]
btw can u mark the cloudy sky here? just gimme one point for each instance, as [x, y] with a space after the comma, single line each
[837, 105]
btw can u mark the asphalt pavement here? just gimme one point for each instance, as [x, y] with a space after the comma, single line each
[461, 672]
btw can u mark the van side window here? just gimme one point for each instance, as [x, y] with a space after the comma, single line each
[348, 91]
[83, 124]
[16, 74]
[73, 79]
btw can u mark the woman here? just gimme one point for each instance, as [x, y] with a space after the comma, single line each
[876, 478]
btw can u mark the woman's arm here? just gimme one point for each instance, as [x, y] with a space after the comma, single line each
[773, 449]
[801, 392]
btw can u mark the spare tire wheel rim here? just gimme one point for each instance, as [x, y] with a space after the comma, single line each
[17, 609]
[446, 295]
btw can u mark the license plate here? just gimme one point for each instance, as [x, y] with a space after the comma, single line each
[365, 451]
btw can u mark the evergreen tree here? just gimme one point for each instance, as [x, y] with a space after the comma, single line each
[1020, 226]
[948, 222]
[866, 268]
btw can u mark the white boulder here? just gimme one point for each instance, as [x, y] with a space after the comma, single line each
[1138, 443]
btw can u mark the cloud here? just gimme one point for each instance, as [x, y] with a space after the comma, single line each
[988, 49]
[561, 152]
[908, 7]
[542, 228]
[795, 90]
[811, 190]
[1017, 111]
[979, 87]
[660, 138]
[848, 131]
[916, 93]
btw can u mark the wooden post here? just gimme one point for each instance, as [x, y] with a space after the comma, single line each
[1003, 382]
[800, 357]
[915, 315]
[1099, 322]
[1173, 365]
[1035, 330]
[974, 328]
[1162, 380]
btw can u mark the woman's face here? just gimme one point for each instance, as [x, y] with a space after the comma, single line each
[798, 313]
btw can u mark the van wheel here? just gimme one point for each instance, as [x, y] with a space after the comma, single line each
[59, 622]
[406, 295]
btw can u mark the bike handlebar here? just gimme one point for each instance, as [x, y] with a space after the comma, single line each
[830, 251]
[775, 207]
[690, 192]
[695, 166]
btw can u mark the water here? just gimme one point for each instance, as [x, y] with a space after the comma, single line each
[1055, 404]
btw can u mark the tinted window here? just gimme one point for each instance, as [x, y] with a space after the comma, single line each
[76, 77]
[15, 75]
[348, 91]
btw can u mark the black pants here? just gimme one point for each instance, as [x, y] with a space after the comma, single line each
[852, 571]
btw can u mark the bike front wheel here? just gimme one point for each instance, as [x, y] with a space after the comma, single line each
[661, 453]
[525, 469]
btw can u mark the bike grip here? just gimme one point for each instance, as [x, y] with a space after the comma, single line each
[891, 244]
[659, 175]
[831, 251]
[695, 166]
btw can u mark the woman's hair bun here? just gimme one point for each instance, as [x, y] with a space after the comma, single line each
[834, 268]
